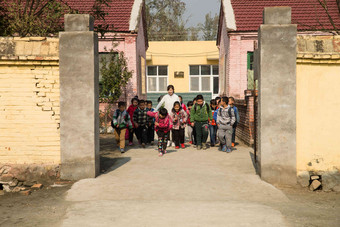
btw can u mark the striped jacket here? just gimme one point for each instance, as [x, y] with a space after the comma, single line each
[140, 117]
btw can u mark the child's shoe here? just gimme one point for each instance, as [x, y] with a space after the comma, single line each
[160, 154]
[224, 148]
[164, 151]
[228, 150]
[169, 143]
[143, 145]
[122, 150]
[190, 142]
[199, 147]
[182, 145]
[177, 147]
[232, 144]
[130, 143]
[152, 143]
[204, 146]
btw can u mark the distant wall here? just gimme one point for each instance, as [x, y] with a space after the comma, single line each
[29, 100]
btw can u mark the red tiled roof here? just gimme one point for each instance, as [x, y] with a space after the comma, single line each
[117, 13]
[307, 14]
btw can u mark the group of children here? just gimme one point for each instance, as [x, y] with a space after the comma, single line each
[197, 118]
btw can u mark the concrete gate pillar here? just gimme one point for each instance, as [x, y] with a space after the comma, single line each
[277, 96]
[79, 102]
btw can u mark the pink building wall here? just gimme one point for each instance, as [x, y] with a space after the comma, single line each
[240, 44]
[133, 46]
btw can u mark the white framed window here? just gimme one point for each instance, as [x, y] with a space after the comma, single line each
[204, 78]
[157, 78]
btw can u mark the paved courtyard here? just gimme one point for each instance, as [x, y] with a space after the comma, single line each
[183, 188]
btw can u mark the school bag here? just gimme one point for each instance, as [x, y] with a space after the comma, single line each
[206, 104]
[229, 112]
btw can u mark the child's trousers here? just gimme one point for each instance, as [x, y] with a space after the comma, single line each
[162, 140]
[190, 133]
[178, 135]
[202, 132]
[224, 134]
[234, 133]
[142, 134]
[120, 136]
[131, 132]
[213, 130]
[151, 133]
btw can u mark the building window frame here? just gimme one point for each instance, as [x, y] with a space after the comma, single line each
[211, 76]
[157, 76]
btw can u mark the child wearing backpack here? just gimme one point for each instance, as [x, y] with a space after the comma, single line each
[237, 116]
[190, 129]
[120, 122]
[201, 116]
[163, 125]
[225, 122]
[179, 118]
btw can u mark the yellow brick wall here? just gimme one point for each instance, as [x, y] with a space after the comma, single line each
[29, 102]
[318, 104]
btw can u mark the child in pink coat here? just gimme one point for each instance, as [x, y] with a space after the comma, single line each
[163, 126]
[179, 119]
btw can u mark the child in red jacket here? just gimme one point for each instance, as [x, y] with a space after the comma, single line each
[163, 125]
[132, 108]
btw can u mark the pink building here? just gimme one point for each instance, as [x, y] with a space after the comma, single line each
[125, 24]
[237, 34]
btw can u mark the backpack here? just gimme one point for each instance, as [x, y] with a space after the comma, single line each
[229, 112]
[206, 104]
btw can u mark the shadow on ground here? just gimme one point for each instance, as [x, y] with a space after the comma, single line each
[108, 164]
[255, 164]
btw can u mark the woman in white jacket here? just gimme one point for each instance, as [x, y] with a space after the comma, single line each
[168, 102]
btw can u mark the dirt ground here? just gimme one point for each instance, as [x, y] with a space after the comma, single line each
[47, 206]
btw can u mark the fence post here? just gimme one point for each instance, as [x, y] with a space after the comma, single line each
[79, 99]
[277, 97]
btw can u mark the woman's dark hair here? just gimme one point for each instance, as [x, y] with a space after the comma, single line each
[163, 112]
[225, 99]
[121, 104]
[177, 103]
[199, 97]
[190, 103]
[171, 86]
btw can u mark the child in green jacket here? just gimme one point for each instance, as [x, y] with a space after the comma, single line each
[201, 117]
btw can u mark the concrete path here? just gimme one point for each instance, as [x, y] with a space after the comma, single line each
[183, 188]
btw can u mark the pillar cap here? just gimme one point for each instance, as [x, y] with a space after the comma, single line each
[78, 22]
[277, 15]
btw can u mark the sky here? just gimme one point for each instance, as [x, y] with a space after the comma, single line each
[197, 9]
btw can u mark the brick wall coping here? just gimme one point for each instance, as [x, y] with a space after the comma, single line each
[20, 49]
[318, 58]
